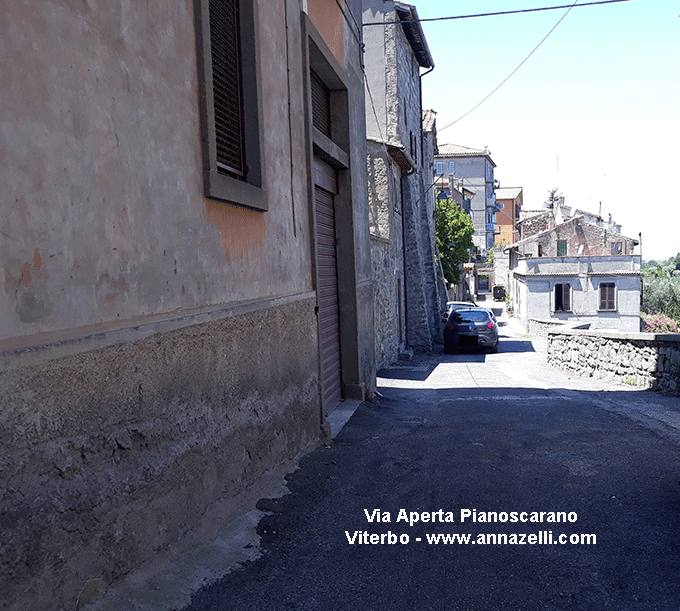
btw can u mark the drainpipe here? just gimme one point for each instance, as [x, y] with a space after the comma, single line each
[404, 175]
[421, 110]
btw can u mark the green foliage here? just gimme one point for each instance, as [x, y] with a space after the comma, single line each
[553, 199]
[454, 230]
[661, 287]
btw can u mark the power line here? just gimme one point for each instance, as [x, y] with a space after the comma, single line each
[515, 12]
[507, 78]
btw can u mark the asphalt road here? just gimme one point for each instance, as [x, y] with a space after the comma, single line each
[485, 436]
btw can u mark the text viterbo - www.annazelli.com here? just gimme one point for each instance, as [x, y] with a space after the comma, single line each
[543, 537]
[410, 518]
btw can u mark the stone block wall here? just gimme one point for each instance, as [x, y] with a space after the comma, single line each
[649, 360]
[113, 453]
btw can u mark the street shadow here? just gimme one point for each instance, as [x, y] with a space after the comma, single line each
[515, 345]
[416, 373]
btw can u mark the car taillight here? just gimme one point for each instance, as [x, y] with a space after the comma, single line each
[490, 325]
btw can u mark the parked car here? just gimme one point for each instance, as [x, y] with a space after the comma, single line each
[470, 327]
[456, 305]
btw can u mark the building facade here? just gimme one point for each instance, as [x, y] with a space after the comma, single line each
[408, 285]
[574, 271]
[510, 201]
[188, 285]
[474, 169]
[601, 291]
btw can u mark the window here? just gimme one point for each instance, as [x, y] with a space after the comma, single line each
[452, 167]
[562, 297]
[561, 248]
[617, 248]
[321, 104]
[229, 101]
[607, 296]
[440, 168]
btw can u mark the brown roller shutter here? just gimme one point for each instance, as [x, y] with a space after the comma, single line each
[329, 311]
[225, 50]
[321, 105]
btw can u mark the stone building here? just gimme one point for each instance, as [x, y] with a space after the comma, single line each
[408, 285]
[173, 318]
[475, 170]
[573, 238]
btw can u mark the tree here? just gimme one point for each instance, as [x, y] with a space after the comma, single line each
[553, 199]
[454, 231]
[661, 287]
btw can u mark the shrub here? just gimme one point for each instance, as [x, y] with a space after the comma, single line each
[659, 323]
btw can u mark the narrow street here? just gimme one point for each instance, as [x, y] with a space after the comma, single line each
[477, 482]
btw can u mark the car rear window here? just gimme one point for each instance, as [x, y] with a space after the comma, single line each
[473, 315]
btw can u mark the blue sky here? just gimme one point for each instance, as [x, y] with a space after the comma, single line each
[593, 112]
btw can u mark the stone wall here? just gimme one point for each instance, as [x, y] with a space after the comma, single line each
[111, 454]
[648, 360]
[537, 222]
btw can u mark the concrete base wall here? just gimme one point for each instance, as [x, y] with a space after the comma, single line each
[642, 359]
[113, 453]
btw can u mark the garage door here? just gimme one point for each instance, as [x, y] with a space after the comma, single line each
[329, 312]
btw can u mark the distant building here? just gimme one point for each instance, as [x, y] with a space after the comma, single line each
[510, 201]
[474, 169]
[574, 271]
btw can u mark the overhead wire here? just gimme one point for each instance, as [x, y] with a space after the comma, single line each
[507, 78]
[495, 14]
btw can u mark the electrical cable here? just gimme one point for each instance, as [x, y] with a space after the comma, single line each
[507, 78]
[499, 13]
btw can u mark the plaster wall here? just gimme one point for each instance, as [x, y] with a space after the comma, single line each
[103, 217]
[158, 349]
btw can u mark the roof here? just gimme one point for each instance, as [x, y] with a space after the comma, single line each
[586, 213]
[579, 219]
[414, 33]
[456, 150]
[508, 192]
[534, 214]
[398, 153]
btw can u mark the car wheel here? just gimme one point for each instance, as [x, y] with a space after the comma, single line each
[494, 348]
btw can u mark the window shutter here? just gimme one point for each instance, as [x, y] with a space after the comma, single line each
[321, 105]
[225, 47]
[566, 296]
[607, 296]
